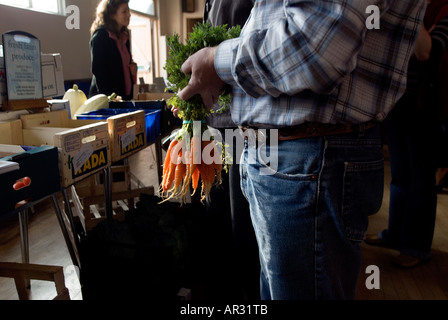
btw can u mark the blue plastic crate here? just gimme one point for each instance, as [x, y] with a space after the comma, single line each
[138, 104]
[152, 119]
[167, 120]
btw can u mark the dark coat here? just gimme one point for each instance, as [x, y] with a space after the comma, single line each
[230, 13]
[107, 67]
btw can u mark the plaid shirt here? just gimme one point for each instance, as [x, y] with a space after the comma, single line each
[317, 61]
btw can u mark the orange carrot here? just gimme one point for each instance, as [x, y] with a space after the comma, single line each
[207, 176]
[170, 164]
[166, 165]
[195, 179]
[179, 174]
[168, 152]
[196, 149]
[190, 167]
[193, 157]
[169, 176]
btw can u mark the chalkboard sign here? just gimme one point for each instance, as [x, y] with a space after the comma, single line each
[21, 52]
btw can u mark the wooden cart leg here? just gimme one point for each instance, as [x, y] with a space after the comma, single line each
[24, 242]
[25, 248]
[23, 272]
[69, 212]
[64, 230]
[108, 192]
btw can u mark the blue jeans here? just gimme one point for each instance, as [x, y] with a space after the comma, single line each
[311, 212]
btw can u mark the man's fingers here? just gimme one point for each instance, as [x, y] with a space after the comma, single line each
[175, 111]
[207, 100]
[204, 79]
[186, 93]
[186, 66]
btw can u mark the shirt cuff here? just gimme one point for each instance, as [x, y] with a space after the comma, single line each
[224, 60]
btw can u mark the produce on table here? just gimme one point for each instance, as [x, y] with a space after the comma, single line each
[97, 102]
[76, 98]
[22, 183]
[191, 156]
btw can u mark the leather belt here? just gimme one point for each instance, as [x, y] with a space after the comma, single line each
[312, 130]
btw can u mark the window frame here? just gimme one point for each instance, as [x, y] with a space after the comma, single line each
[146, 13]
[61, 5]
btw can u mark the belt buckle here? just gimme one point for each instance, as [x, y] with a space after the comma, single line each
[262, 136]
[253, 134]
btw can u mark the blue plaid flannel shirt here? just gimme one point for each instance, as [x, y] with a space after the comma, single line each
[317, 61]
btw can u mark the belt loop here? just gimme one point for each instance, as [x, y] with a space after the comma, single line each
[362, 129]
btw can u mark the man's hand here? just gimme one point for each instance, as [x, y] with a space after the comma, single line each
[204, 79]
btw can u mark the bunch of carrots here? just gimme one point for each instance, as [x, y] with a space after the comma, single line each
[189, 158]
[184, 166]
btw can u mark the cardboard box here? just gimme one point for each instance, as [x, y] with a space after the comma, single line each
[52, 77]
[127, 129]
[130, 130]
[164, 123]
[11, 132]
[140, 88]
[40, 128]
[83, 144]
[12, 115]
[2, 82]
[40, 165]
[127, 134]
[60, 104]
[153, 96]
[83, 151]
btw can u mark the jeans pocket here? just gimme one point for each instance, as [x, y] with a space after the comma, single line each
[362, 196]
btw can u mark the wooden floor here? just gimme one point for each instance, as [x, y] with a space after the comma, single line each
[428, 281]
[47, 247]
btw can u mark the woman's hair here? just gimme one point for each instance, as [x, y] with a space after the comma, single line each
[104, 12]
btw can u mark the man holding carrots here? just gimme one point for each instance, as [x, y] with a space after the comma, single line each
[316, 73]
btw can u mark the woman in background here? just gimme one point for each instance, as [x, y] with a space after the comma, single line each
[112, 66]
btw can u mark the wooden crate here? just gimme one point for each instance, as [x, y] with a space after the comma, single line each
[83, 144]
[152, 96]
[88, 197]
[127, 134]
[127, 131]
[11, 132]
[83, 151]
[40, 128]
[23, 272]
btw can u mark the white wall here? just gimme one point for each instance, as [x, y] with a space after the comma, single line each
[73, 45]
[174, 20]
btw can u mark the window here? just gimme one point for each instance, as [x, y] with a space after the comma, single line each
[49, 6]
[144, 31]
[145, 7]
